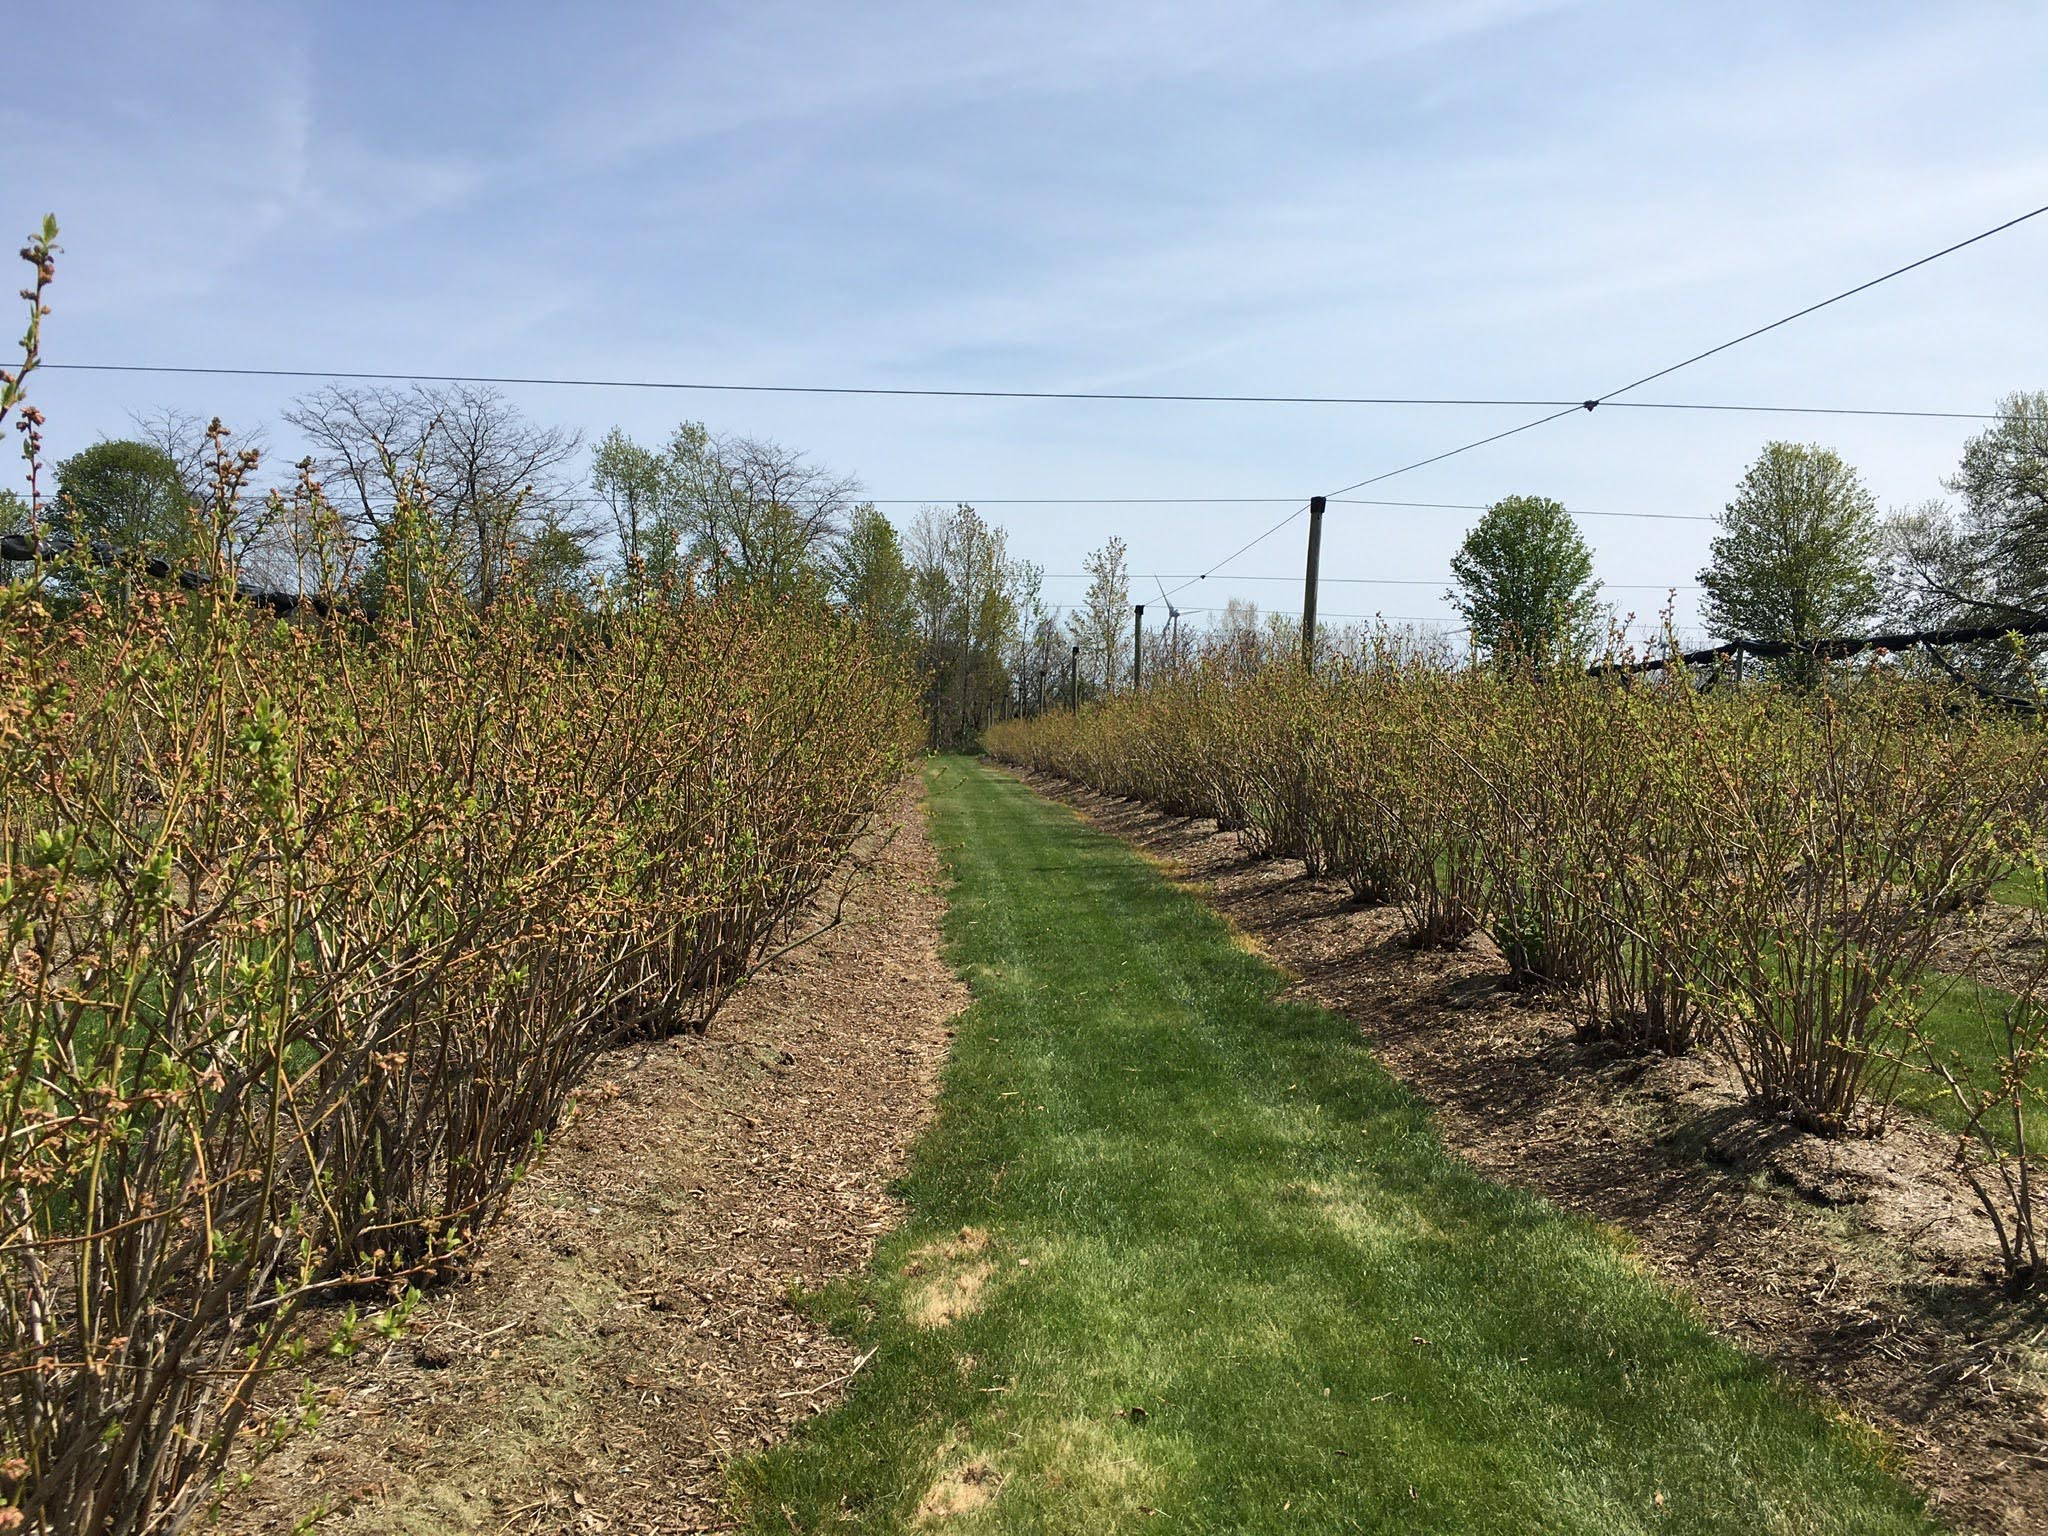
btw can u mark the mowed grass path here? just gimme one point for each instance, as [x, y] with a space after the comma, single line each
[1181, 1257]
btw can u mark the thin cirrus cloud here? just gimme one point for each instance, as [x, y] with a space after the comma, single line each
[769, 64]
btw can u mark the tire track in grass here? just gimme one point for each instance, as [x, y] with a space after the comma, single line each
[1181, 1256]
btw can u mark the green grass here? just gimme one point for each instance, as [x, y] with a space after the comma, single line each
[1211, 1205]
[2019, 887]
[1963, 1025]
[1963, 1022]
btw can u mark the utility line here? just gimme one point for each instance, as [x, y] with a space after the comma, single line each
[1452, 453]
[1227, 501]
[1798, 314]
[1476, 506]
[371, 376]
[1596, 401]
[1295, 613]
[1380, 581]
[1082, 501]
[1241, 549]
[1180, 501]
[1750, 335]
[1676, 517]
[1563, 408]
[1389, 618]
[1223, 501]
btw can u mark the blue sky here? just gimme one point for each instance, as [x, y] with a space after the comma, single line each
[1476, 197]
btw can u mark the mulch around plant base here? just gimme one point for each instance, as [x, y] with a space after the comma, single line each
[629, 1329]
[1860, 1265]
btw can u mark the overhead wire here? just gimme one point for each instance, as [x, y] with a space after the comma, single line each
[1480, 506]
[1374, 581]
[1220, 501]
[1241, 549]
[1295, 613]
[1596, 401]
[1554, 410]
[937, 392]
[1800, 314]
[1184, 501]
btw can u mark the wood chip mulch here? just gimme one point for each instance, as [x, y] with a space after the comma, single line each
[630, 1329]
[1858, 1265]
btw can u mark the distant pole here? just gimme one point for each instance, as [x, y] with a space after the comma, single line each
[1074, 680]
[1137, 647]
[1308, 586]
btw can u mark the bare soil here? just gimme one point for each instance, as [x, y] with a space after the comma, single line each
[1860, 1266]
[631, 1328]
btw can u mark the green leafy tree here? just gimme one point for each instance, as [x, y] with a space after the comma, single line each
[752, 513]
[1103, 627]
[2003, 480]
[129, 494]
[1524, 581]
[1987, 564]
[871, 577]
[1796, 558]
[968, 595]
[631, 482]
[557, 561]
[13, 519]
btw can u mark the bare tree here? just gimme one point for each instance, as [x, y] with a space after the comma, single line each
[493, 481]
[753, 511]
[183, 439]
[496, 482]
[360, 437]
[186, 441]
[1239, 636]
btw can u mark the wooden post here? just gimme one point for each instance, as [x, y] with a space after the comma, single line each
[1308, 586]
[1074, 680]
[1137, 647]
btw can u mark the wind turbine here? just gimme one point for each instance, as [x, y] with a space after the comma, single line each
[1172, 622]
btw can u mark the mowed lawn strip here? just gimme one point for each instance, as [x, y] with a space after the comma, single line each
[1181, 1256]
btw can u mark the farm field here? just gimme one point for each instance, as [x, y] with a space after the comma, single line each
[961, 771]
[1855, 1264]
[631, 1328]
[1178, 1249]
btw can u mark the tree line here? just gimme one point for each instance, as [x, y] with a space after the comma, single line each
[506, 498]
[1802, 556]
